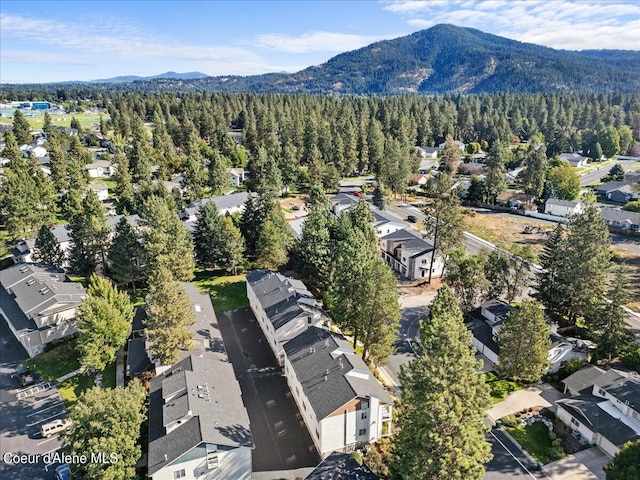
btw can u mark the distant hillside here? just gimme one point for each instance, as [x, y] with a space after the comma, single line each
[169, 75]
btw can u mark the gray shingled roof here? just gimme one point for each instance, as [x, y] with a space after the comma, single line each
[137, 357]
[497, 307]
[628, 392]
[410, 239]
[562, 203]
[212, 396]
[341, 466]
[481, 330]
[583, 380]
[585, 409]
[330, 378]
[617, 215]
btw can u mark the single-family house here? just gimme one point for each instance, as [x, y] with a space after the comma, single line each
[409, 253]
[486, 321]
[342, 403]
[226, 204]
[100, 169]
[563, 208]
[623, 219]
[458, 144]
[296, 227]
[574, 159]
[428, 152]
[284, 308]
[619, 191]
[23, 251]
[606, 410]
[341, 466]
[383, 223]
[101, 190]
[38, 303]
[514, 199]
[198, 425]
[237, 176]
[417, 179]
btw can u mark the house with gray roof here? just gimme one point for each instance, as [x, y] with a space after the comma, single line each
[226, 204]
[23, 251]
[617, 218]
[198, 425]
[606, 411]
[383, 222]
[343, 405]
[574, 159]
[562, 208]
[341, 466]
[409, 253]
[284, 308]
[100, 169]
[39, 303]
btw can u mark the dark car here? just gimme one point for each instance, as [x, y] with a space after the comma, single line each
[24, 375]
[412, 218]
[295, 207]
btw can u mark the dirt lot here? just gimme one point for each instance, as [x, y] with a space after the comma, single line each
[631, 263]
[506, 230]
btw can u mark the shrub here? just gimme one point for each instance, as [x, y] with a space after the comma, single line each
[510, 421]
[555, 453]
[552, 436]
[557, 442]
[545, 412]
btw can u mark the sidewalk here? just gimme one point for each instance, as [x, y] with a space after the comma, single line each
[120, 368]
[69, 375]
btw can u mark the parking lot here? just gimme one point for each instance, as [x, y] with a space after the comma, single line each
[24, 411]
[282, 441]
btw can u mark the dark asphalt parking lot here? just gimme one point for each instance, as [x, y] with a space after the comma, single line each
[282, 441]
[20, 420]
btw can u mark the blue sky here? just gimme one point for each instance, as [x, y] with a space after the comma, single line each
[49, 40]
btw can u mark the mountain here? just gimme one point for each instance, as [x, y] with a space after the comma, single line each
[169, 75]
[446, 58]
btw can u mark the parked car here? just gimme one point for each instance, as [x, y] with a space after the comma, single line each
[412, 218]
[63, 472]
[295, 207]
[24, 375]
[55, 427]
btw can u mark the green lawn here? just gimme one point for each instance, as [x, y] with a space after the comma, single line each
[61, 120]
[71, 389]
[500, 387]
[60, 360]
[534, 439]
[227, 292]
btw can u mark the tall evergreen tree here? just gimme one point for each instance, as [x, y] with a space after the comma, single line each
[524, 341]
[208, 237]
[166, 240]
[11, 148]
[89, 237]
[233, 245]
[126, 255]
[494, 181]
[535, 170]
[170, 315]
[251, 225]
[47, 249]
[124, 186]
[608, 322]
[218, 178]
[19, 198]
[444, 402]
[450, 160]
[275, 239]
[21, 128]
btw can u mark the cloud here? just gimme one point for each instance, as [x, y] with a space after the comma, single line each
[559, 24]
[318, 41]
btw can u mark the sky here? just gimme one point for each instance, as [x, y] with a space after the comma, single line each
[49, 40]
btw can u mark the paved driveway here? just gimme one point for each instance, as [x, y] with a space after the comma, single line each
[585, 465]
[21, 419]
[282, 441]
[539, 396]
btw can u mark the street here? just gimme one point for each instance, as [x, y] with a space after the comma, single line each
[508, 460]
[596, 175]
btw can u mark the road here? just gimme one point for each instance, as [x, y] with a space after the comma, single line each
[596, 175]
[508, 460]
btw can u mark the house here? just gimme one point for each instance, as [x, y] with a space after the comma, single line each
[621, 194]
[342, 403]
[198, 425]
[101, 190]
[100, 169]
[428, 152]
[383, 223]
[574, 159]
[459, 144]
[409, 254]
[226, 204]
[623, 219]
[486, 321]
[513, 199]
[296, 227]
[563, 208]
[341, 466]
[39, 303]
[237, 176]
[417, 179]
[606, 410]
[23, 251]
[619, 191]
[284, 308]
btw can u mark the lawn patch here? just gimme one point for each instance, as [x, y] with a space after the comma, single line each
[534, 439]
[500, 387]
[227, 292]
[60, 360]
[72, 388]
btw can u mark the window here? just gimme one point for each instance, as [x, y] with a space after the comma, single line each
[363, 416]
[309, 320]
[212, 456]
[180, 473]
[362, 432]
[317, 434]
[575, 422]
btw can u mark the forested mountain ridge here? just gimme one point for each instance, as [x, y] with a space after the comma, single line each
[441, 59]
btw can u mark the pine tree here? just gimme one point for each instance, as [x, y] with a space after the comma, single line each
[126, 255]
[170, 315]
[608, 322]
[208, 237]
[124, 187]
[19, 198]
[626, 463]
[194, 177]
[251, 225]
[551, 292]
[444, 402]
[524, 341]
[89, 237]
[47, 249]
[275, 239]
[166, 240]
[494, 180]
[535, 170]
[233, 245]
[11, 148]
[218, 178]
[21, 128]
[104, 324]
[378, 197]
[467, 278]
[450, 160]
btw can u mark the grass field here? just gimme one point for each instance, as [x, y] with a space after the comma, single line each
[60, 360]
[631, 264]
[62, 120]
[534, 439]
[227, 292]
[108, 181]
